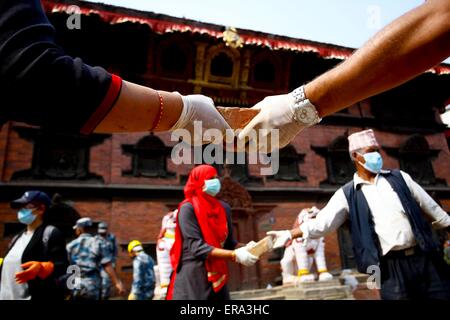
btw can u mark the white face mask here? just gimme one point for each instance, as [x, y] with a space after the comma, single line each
[212, 187]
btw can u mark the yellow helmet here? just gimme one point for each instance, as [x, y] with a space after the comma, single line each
[1, 261]
[133, 244]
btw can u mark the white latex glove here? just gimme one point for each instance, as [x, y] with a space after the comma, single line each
[198, 107]
[276, 112]
[280, 238]
[250, 245]
[244, 257]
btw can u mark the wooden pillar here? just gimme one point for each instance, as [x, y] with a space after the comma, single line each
[244, 74]
[200, 65]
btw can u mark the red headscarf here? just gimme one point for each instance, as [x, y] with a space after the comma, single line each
[212, 220]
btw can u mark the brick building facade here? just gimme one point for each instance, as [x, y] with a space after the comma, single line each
[129, 180]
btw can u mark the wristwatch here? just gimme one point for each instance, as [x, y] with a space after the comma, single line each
[304, 111]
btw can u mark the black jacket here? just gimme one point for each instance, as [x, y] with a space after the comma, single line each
[49, 288]
[39, 83]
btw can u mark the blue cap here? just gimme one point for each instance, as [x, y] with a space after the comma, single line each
[102, 227]
[31, 197]
[83, 223]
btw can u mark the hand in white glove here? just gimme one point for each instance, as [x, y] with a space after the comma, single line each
[201, 109]
[250, 245]
[244, 257]
[280, 238]
[276, 112]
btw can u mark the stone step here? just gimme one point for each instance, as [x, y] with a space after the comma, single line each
[320, 293]
[326, 290]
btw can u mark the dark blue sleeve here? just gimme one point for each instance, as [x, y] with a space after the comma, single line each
[230, 242]
[192, 235]
[39, 83]
[57, 253]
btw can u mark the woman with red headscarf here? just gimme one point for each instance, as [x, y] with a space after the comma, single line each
[204, 241]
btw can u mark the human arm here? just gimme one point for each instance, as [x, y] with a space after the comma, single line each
[331, 217]
[440, 218]
[55, 260]
[106, 260]
[199, 248]
[44, 86]
[57, 252]
[231, 242]
[114, 277]
[410, 45]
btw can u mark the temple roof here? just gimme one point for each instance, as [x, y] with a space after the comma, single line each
[161, 24]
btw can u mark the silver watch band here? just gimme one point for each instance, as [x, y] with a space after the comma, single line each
[300, 101]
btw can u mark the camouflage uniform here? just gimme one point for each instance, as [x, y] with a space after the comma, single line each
[89, 254]
[143, 277]
[111, 247]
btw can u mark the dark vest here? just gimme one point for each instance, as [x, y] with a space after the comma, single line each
[366, 246]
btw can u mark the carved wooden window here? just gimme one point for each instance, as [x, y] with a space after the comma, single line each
[222, 65]
[58, 156]
[415, 158]
[149, 158]
[409, 109]
[289, 165]
[340, 167]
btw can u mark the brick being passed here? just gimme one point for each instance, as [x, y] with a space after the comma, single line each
[236, 117]
[262, 246]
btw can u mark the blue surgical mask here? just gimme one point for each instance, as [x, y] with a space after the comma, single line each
[26, 216]
[212, 187]
[374, 162]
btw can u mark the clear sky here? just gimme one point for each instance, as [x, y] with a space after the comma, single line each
[343, 22]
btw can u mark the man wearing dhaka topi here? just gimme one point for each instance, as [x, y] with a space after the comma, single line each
[389, 216]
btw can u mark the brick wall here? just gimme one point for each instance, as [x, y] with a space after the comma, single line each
[141, 218]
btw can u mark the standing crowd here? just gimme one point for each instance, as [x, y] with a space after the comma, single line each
[39, 265]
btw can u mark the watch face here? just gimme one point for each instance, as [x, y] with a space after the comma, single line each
[306, 114]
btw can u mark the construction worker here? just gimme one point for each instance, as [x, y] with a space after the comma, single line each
[143, 273]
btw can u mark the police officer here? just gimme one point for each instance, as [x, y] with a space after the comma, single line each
[143, 286]
[89, 254]
[111, 247]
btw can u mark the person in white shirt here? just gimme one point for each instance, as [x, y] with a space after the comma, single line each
[36, 259]
[388, 213]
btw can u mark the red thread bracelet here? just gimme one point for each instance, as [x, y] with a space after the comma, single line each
[160, 112]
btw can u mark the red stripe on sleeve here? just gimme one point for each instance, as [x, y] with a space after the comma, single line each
[106, 105]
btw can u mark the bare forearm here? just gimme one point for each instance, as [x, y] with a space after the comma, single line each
[137, 108]
[405, 48]
[221, 254]
[296, 233]
[112, 273]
